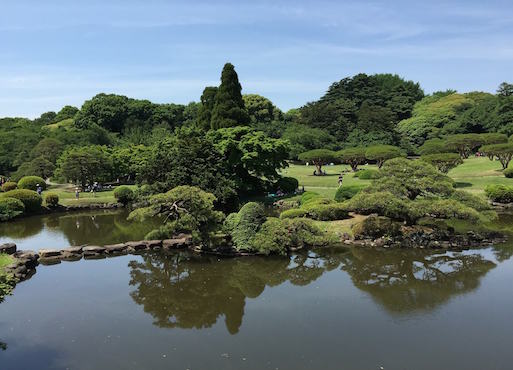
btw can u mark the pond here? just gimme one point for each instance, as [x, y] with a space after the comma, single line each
[61, 230]
[326, 309]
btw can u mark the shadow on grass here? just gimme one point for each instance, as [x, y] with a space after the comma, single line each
[462, 185]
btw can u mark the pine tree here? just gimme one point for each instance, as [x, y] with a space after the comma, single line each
[207, 105]
[229, 110]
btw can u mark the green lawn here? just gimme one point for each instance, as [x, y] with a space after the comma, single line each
[66, 195]
[476, 173]
[324, 185]
[473, 175]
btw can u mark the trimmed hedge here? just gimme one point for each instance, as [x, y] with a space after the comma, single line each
[384, 204]
[287, 184]
[508, 172]
[10, 208]
[279, 236]
[31, 200]
[347, 192]
[9, 185]
[30, 183]
[124, 194]
[367, 174]
[52, 200]
[326, 212]
[375, 227]
[500, 193]
[244, 225]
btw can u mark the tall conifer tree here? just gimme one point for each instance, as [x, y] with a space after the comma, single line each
[207, 106]
[229, 110]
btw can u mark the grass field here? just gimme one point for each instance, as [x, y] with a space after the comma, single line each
[473, 175]
[66, 195]
[324, 185]
[5, 260]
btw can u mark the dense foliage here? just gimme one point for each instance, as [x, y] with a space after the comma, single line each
[363, 110]
[31, 183]
[10, 208]
[184, 209]
[124, 194]
[51, 199]
[500, 193]
[30, 199]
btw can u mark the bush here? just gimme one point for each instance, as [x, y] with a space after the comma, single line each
[244, 225]
[124, 194]
[10, 208]
[30, 199]
[445, 208]
[347, 192]
[30, 183]
[384, 204]
[294, 213]
[8, 186]
[375, 227]
[52, 200]
[325, 212]
[508, 172]
[499, 193]
[470, 200]
[367, 174]
[287, 184]
[278, 236]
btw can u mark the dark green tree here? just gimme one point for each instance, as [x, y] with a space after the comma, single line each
[189, 158]
[207, 106]
[229, 107]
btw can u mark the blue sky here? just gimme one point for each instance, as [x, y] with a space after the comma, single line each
[58, 52]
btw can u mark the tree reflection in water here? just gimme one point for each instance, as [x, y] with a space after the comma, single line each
[186, 291]
[405, 281]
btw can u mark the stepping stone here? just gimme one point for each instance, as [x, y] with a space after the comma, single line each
[45, 253]
[8, 248]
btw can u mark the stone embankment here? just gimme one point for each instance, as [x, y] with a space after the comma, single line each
[25, 262]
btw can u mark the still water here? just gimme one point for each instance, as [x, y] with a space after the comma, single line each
[327, 309]
[61, 230]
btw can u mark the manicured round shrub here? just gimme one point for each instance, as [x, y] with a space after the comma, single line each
[10, 208]
[294, 213]
[30, 183]
[245, 224]
[367, 174]
[31, 200]
[278, 236]
[508, 172]
[375, 227]
[326, 212]
[287, 184]
[52, 199]
[499, 193]
[347, 192]
[384, 204]
[9, 185]
[124, 194]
